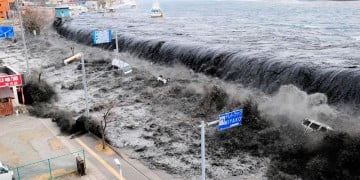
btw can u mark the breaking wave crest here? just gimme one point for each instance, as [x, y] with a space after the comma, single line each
[341, 85]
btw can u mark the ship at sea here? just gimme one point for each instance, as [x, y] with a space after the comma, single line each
[156, 11]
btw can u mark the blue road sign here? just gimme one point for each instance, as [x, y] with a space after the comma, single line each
[102, 36]
[7, 32]
[230, 119]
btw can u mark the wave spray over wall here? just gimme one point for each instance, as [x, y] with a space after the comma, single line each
[263, 50]
[341, 85]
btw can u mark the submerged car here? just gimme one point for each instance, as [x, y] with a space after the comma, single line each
[313, 125]
[121, 65]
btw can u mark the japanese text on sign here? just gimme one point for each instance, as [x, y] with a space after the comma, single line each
[10, 80]
[102, 36]
[230, 119]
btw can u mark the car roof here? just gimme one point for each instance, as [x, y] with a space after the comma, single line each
[319, 123]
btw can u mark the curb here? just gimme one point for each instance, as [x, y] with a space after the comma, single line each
[136, 165]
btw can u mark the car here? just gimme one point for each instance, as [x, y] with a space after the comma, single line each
[162, 79]
[5, 173]
[313, 125]
[121, 65]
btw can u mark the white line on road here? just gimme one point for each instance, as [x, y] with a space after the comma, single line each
[97, 157]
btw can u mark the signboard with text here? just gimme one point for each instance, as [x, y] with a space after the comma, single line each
[100, 37]
[10, 80]
[7, 32]
[229, 120]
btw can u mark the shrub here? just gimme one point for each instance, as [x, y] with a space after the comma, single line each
[81, 124]
[214, 100]
[38, 91]
[64, 120]
[251, 116]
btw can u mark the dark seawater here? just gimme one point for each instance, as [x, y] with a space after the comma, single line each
[312, 44]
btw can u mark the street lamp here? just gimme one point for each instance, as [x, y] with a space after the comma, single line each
[117, 162]
[76, 57]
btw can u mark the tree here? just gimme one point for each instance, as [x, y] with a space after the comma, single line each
[101, 4]
[33, 21]
[106, 119]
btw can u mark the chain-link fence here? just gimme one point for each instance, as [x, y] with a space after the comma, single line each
[50, 168]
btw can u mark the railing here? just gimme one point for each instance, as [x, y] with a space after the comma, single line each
[50, 168]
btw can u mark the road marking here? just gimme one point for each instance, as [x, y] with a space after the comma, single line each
[97, 157]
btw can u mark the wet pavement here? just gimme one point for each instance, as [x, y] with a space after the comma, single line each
[25, 139]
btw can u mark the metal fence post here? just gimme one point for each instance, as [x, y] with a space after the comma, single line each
[18, 174]
[85, 85]
[50, 168]
[24, 41]
[203, 175]
[117, 45]
[84, 158]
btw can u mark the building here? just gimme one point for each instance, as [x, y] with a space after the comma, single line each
[10, 86]
[5, 8]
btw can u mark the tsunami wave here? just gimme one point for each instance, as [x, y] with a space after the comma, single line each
[341, 85]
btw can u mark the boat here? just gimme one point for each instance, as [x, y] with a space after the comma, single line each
[121, 5]
[156, 11]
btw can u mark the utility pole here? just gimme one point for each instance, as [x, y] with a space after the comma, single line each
[72, 59]
[203, 174]
[85, 86]
[202, 141]
[23, 38]
[117, 45]
[117, 162]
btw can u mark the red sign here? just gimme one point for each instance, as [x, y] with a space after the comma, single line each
[10, 80]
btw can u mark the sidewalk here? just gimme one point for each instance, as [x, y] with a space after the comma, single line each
[93, 172]
[25, 140]
[100, 164]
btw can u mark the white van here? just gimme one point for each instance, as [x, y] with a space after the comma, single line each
[121, 65]
[5, 173]
[312, 125]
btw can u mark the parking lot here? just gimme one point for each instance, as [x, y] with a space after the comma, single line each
[25, 140]
[30, 141]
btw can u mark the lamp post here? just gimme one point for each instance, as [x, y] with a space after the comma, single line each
[76, 57]
[117, 162]
[202, 142]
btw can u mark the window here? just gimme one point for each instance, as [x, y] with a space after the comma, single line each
[4, 100]
[3, 170]
[314, 126]
[323, 129]
[306, 122]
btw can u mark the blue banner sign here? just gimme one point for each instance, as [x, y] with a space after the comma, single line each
[229, 120]
[102, 36]
[7, 32]
[62, 12]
